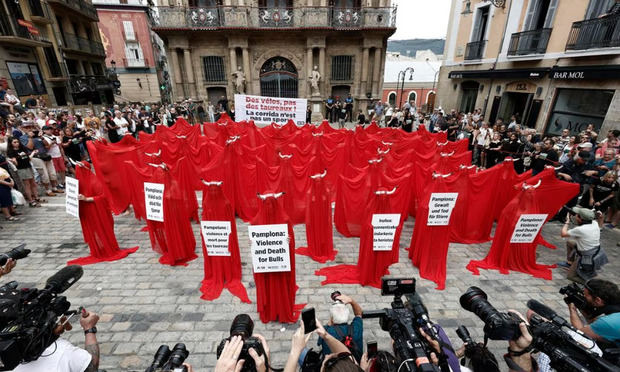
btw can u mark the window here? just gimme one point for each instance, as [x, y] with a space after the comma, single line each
[480, 25]
[52, 62]
[275, 4]
[574, 109]
[97, 69]
[540, 14]
[205, 3]
[133, 51]
[412, 97]
[213, 67]
[342, 68]
[392, 99]
[72, 66]
[26, 78]
[129, 33]
[597, 8]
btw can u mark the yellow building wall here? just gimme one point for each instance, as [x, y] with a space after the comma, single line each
[568, 11]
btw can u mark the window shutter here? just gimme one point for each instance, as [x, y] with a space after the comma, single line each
[129, 33]
[553, 5]
[532, 11]
[475, 34]
[598, 7]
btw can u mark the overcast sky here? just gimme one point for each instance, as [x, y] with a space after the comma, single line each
[421, 19]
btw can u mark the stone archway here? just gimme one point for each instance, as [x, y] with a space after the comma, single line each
[278, 78]
[259, 60]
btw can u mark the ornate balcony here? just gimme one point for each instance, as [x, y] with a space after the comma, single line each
[248, 17]
[475, 50]
[529, 42]
[89, 83]
[82, 45]
[135, 62]
[595, 33]
[81, 6]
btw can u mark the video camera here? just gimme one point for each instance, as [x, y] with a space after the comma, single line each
[574, 295]
[166, 360]
[28, 317]
[243, 326]
[16, 253]
[568, 348]
[403, 321]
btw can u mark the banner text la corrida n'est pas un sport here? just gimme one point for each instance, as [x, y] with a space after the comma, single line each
[267, 110]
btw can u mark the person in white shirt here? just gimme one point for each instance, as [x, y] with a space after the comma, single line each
[62, 356]
[13, 102]
[482, 140]
[121, 123]
[41, 119]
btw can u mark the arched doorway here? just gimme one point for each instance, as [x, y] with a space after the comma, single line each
[392, 99]
[412, 97]
[430, 101]
[278, 78]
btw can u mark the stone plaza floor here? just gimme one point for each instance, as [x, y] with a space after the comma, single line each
[144, 304]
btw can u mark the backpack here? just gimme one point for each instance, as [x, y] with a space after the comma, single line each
[348, 341]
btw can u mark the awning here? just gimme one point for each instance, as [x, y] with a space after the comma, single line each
[511, 73]
[585, 72]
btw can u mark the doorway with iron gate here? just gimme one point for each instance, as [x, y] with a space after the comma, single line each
[278, 78]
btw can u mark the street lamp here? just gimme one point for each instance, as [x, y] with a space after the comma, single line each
[113, 63]
[434, 80]
[401, 79]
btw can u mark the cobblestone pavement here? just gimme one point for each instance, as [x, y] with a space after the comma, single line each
[144, 304]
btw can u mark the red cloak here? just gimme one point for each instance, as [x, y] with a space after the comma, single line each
[221, 271]
[97, 222]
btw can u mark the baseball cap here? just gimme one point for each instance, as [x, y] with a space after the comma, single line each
[46, 127]
[584, 213]
[585, 145]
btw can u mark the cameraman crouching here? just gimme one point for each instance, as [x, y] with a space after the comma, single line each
[584, 255]
[351, 335]
[62, 356]
[604, 297]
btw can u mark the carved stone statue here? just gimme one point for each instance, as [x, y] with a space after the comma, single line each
[315, 78]
[239, 80]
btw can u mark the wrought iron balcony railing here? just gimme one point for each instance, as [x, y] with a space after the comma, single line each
[89, 83]
[135, 62]
[529, 42]
[81, 6]
[475, 50]
[244, 17]
[595, 33]
[83, 45]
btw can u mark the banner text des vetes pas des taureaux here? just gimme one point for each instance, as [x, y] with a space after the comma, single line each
[267, 110]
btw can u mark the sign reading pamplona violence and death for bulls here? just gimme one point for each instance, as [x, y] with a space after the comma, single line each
[270, 248]
[527, 228]
[154, 200]
[267, 110]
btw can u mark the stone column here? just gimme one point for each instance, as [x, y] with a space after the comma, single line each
[233, 68]
[376, 70]
[309, 68]
[364, 75]
[178, 78]
[247, 71]
[227, 3]
[189, 72]
[322, 69]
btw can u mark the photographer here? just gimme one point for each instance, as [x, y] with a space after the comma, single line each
[62, 356]
[351, 335]
[229, 358]
[341, 359]
[584, 255]
[605, 297]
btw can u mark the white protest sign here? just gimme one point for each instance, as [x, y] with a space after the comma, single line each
[383, 231]
[527, 228]
[270, 249]
[267, 110]
[72, 190]
[154, 200]
[216, 235]
[440, 207]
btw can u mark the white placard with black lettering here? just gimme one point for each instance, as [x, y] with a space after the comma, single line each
[383, 231]
[72, 191]
[440, 207]
[270, 248]
[527, 227]
[154, 200]
[216, 235]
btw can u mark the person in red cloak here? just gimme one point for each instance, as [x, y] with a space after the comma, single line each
[221, 271]
[371, 264]
[96, 220]
[319, 222]
[275, 292]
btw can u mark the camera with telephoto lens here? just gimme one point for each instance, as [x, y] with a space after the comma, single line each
[16, 253]
[28, 317]
[477, 356]
[243, 326]
[403, 322]
[166, 360]
[497, 326]
[574, 295]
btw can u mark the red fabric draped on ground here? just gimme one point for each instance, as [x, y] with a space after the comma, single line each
[319, 229]
[275, 292]
[371, 265]
[547, 198]
[221, 271]
[97, 222]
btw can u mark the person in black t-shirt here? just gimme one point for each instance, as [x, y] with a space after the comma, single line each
[601, 193]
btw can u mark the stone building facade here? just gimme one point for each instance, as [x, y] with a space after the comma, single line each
[276, 45]
[554, 64]
[51, 48]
